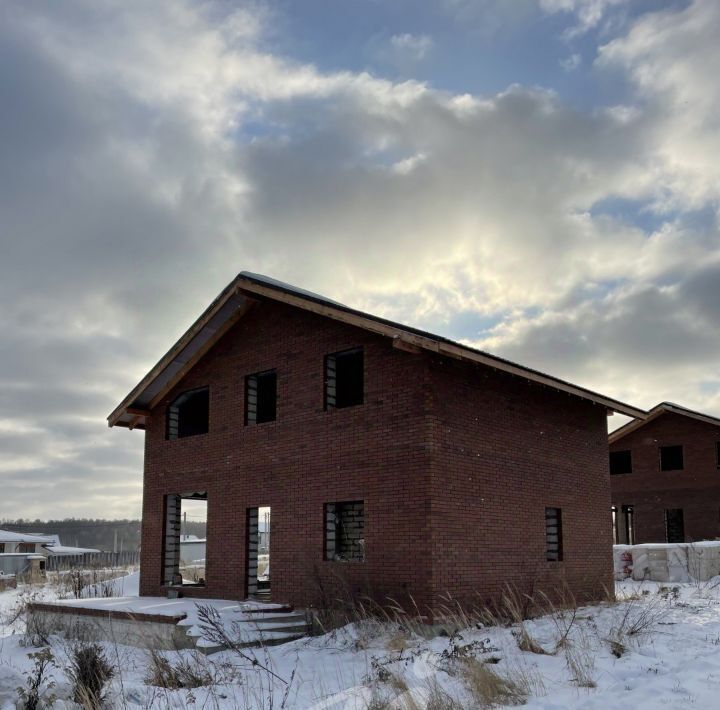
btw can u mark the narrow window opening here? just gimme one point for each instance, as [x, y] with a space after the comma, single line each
[344, 379]
[717, 454]
[628, 513]
[345, 531]
[553, 534]
[258, 553]
[620, 462]
[185, 539]
[671, 458]
[675, 525]
[189, 414]
[616, 537]
[261, 397]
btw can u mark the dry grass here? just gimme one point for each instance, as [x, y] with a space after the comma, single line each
[634, 618]
[191, 672]
[89, 672]
[580, 660]
[487, 687]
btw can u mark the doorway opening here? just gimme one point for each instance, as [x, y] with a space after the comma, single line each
[258, 553]
[185, 540]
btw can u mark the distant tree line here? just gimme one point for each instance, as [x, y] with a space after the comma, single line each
[96, 533]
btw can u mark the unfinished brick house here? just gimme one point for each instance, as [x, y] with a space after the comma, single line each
[666, 477]
[394, 462]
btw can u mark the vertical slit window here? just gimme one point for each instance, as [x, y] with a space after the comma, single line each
[344, 379]
[261, 397]
[629, 524]
[616, 537]
[553, 534]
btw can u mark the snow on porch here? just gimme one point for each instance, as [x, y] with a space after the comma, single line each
[248, 623]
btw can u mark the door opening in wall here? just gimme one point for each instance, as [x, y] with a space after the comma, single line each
[674, 525]
[185, 539]
[258, 553]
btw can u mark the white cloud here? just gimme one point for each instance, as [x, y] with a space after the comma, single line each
[151, 151]
[416, 47]
[571, 63]
[589, 13]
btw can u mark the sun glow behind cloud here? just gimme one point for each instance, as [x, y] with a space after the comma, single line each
[152, 151]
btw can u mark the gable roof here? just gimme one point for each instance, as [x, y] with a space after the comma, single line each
[657, 411]
[247, 288]
[9, 536]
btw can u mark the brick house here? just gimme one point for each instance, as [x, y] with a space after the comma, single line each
[665, 478]
[394, 462]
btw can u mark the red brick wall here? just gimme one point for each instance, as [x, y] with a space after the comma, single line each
[455, 463]
[506, 449]
[695, 489]
[307, 458]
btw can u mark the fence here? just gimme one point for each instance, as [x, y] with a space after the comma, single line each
[90, 560]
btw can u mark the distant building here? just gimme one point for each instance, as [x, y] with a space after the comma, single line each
[192, 549]
[30, 543]
[20, 551]
[15, 543]
[665, 477]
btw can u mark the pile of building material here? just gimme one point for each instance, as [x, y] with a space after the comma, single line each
[668, 562]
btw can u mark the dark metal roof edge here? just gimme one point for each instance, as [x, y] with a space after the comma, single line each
[654, 413]
[432, 336]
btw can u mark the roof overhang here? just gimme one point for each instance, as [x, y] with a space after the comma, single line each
[657, 411]
[247, 289]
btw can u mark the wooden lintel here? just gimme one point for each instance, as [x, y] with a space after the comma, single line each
[400, 344]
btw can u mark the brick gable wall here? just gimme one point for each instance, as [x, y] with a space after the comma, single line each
[695, 489]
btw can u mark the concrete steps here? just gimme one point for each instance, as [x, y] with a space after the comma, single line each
[255, 627]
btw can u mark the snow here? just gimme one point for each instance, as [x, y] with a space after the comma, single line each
[8, 536]
[673, 663]
[65, 550]
[288, 287]
[125, 586]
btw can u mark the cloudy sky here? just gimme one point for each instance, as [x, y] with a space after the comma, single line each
[539, 178]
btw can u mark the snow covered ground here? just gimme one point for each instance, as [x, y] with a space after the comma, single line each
[658, 648]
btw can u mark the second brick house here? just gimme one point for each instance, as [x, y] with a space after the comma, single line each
[665, 477]
[395, 463]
